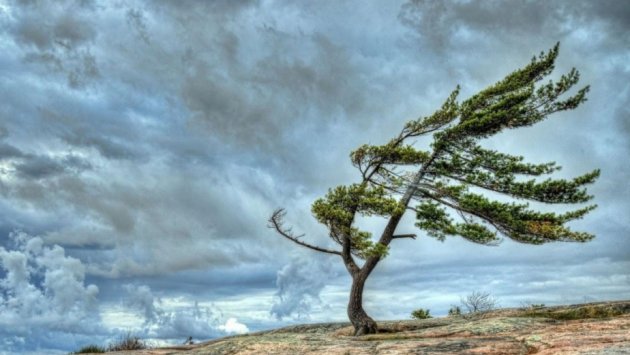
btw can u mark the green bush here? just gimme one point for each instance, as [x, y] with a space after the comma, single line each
[90, 349]
[455, 311]
[420, 314]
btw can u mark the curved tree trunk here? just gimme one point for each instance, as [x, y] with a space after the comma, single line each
[363, 324]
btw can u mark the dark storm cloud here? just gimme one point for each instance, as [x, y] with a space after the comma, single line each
[57, 36]
[39, 167]
[130, 214]
[8, 151]
[31, 166]
[257, 84]
[253, 109]
[445, 23]
[107, 135]
[64, 30]
[319, 82]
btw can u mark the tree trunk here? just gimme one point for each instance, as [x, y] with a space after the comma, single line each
[363, 324]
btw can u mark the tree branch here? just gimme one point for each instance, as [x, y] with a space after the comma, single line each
[390, 228]
[275, 222]
[346, 255]
[412, 236]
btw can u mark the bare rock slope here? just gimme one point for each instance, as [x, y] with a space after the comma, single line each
[595, 328]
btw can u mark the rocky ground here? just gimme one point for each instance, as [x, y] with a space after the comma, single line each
[596, 328]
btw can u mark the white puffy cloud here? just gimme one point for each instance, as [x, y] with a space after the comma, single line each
[177, 319]
[233, 326]
[43, 297]
[299, 286]
[141, 298]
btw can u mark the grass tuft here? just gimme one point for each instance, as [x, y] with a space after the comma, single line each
[90, 349]
[128, 342]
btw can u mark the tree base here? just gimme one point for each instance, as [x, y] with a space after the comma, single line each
[365, 327]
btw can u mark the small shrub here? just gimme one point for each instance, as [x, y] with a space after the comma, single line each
[128, 342]
[421, 314]
[90, 349]
[528, 305]
[478, 302]
[455, 311]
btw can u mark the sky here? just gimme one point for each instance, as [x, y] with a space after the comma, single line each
[144, 145]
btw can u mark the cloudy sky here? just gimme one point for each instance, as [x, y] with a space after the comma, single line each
[144, 144]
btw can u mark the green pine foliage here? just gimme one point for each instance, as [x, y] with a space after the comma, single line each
[421, 314]
[444, 184]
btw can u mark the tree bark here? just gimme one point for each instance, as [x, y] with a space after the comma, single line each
[363, 324]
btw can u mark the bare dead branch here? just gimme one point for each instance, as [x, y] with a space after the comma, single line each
[276, 222]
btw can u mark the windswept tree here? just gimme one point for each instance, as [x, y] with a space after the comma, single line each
[446, 185]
